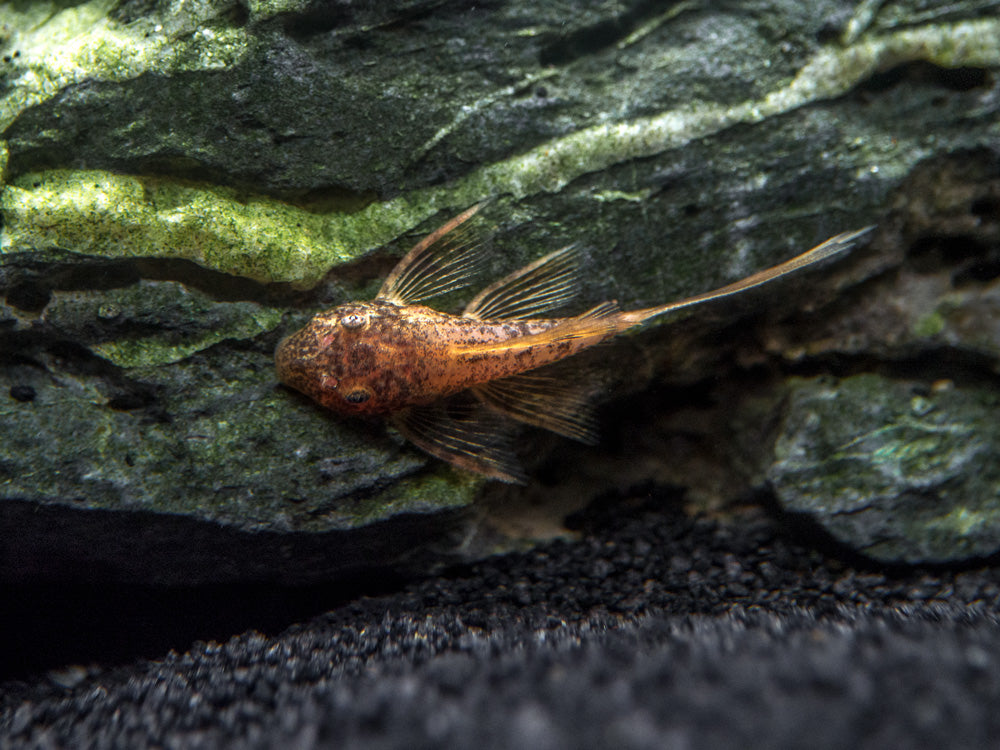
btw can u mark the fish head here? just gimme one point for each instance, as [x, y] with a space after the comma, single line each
[351, 359]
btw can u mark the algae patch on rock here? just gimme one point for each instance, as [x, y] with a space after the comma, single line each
[892, 469]
[100, 213]
[160, 155]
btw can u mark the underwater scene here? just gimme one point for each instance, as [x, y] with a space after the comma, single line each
[423, 373]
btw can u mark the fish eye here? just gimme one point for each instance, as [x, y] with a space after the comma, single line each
[357, 396]
[353, 320]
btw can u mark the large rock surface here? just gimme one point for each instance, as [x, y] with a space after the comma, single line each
[179, 181]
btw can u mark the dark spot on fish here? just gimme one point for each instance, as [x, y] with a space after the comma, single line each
[357, 396]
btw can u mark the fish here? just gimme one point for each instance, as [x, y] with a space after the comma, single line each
[453, 384]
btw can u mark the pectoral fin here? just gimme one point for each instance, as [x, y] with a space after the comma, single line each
[468, 436]
[446, 259]
[543, 401]
[541, 286]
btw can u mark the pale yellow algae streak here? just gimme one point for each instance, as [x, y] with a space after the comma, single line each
[831, 72]
[105, 214]
[154, 350]
[270, 241]
[58, 47]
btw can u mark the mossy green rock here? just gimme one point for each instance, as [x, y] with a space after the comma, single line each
[184, 184]
[895, 471]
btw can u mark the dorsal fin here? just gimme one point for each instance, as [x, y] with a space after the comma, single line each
[467, 435]
[543, 285]
[602, 310]
[551, 403]
[441, 262]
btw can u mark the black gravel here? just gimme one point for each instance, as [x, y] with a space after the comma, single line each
[652, 631]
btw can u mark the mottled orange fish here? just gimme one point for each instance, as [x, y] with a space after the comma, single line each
[399, 360]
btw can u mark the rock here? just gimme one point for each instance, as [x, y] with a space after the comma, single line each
[898, 472]
[181, 188]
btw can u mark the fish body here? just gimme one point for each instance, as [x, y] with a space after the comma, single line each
[397, 356]
[400, 360]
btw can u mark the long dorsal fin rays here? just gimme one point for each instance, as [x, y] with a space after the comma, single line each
[833, 246]
[445, 260]
[476, 440]
[602, 310]
[543, 401]
[537, 288]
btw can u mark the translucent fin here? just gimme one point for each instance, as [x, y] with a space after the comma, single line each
[833, 246]
[541, 286]
[543, 401]
[441, 262]
[467, 436]
[602, 310]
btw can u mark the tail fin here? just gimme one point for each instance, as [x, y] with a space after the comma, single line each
[831, 247]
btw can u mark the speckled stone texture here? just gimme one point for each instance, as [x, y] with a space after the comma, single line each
[185, 183]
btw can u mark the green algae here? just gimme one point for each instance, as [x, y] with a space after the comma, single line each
[929, 325]
[264, 239]
[900, 477]
[58, 46]
[154, 350]
[110, 215]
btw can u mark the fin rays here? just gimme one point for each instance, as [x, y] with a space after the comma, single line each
[543, 285]
[542, 401]
[474, 439]
[445, 260]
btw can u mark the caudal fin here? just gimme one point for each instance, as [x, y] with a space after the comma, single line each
[828, 249]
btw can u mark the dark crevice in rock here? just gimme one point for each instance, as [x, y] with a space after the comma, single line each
[932, 364]
[987, 208]
[924, 73]
[979, 272]
[238, 14]
[320, 18]
[28, 295]
[356, 21]
[968, 259]
[931, 253]
[138, 396]
[41, 356]
[221, 287]
[589, 40]
[29, 286]
[22, 393]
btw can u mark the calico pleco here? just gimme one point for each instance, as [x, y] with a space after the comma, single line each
[402, 361]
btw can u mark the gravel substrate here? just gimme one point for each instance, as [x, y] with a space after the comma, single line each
[651, 631]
